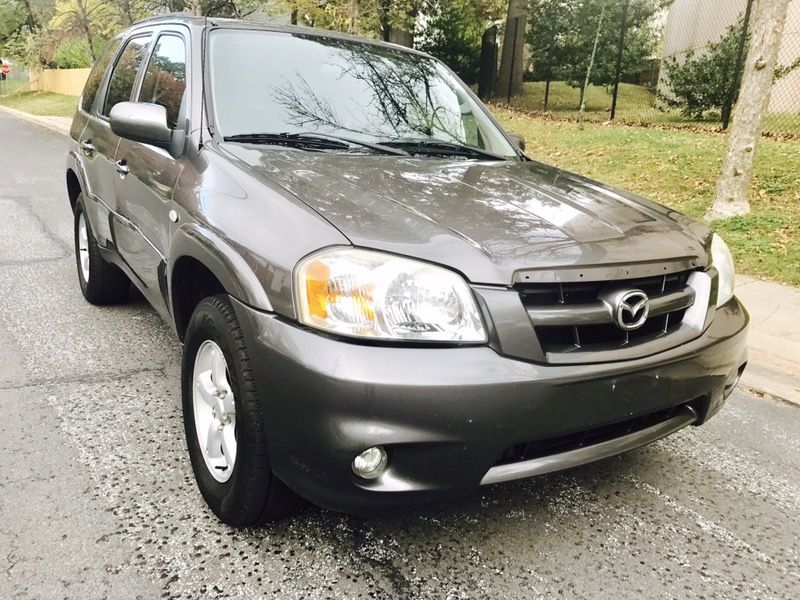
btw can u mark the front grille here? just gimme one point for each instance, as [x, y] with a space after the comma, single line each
[580, 439]
[571, 317]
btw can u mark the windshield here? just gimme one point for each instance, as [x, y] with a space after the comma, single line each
[271, 82]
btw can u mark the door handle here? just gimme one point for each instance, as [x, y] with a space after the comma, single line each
[87, 147]
[122, 167]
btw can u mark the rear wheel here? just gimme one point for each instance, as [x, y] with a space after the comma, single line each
[100, 281]
[223, 420]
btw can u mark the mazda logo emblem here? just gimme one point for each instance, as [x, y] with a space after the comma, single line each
[631, 310]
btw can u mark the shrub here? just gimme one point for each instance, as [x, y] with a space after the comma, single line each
[72, 53]
[702, 82]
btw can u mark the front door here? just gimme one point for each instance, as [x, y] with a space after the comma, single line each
[147, 174]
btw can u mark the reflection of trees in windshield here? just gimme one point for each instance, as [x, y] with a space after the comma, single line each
[404, 94]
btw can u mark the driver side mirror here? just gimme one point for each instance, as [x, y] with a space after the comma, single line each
[141, 122]
[518, 140]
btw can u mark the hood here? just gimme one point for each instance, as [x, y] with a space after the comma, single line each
[490, 220]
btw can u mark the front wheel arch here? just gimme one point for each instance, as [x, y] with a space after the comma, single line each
[205, 265]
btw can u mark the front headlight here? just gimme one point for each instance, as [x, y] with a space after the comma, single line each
[722, 260]
[368, 294]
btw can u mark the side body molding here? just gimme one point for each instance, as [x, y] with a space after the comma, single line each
[227, 265]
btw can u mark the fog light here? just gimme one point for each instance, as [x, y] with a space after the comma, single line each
[370, 463]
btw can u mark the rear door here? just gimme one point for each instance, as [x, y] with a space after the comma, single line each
[97, 143]
[148, 174]
[88, 129]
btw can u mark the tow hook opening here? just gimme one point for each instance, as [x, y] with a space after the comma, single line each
[732, 381]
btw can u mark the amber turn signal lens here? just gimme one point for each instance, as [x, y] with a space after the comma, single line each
[318, 276]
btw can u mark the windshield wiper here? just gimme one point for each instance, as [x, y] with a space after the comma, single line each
[316, 141]
[441, 148]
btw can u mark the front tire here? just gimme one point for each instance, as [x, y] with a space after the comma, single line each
[101, 282]
[224, 425]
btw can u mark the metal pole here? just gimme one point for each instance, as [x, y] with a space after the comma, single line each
[618, 70]
[735, 82]
[513, 59]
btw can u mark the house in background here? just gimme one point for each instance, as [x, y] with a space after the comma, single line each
[693, 24]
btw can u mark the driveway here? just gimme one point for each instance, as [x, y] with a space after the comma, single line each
[98, 500]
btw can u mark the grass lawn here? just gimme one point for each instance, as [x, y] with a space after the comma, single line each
[42, 103]
[680, 169]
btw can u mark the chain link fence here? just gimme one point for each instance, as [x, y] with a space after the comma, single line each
[12, 81]
[675, 63]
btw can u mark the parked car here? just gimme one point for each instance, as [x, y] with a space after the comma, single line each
[381, 298]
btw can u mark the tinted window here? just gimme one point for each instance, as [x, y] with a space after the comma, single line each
[165, 78]
[265, 82]
[121, 84]
[96, 76]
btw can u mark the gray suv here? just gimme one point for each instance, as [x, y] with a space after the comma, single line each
[381, 298]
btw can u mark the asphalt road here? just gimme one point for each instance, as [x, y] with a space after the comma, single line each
[98, 499]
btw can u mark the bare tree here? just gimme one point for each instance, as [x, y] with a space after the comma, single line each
[31, 21]
[512, 59]
[748, 115]
[82, 17]
[591, 63]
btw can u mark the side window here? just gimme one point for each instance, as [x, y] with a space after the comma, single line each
[165, 79]
[124, 75]
[96, 76]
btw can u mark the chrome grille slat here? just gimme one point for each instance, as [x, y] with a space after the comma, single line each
[600, 313]
[575, 319]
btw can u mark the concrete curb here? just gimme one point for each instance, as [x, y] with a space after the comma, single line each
[51, 123]
[774, 340]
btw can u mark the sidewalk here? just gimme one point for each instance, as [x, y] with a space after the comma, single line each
[774, 341]
[58, 124]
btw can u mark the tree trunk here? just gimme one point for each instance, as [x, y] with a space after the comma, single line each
[512, 60]
[591, 64]
[84, 25]
[487, 76]
[30, 17]
[126, 13]
[195, 7]
[88, 33]
[748, 115]
[355, 12]
[390, 33]
[618, 66]
[401, 36]
[547, 95]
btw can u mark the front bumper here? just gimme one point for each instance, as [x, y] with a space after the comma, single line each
[445, 415]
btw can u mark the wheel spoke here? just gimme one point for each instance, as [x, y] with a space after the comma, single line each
[205, 387]
[83, 247]
[228, 440]
[218, 369]
[213, 440]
